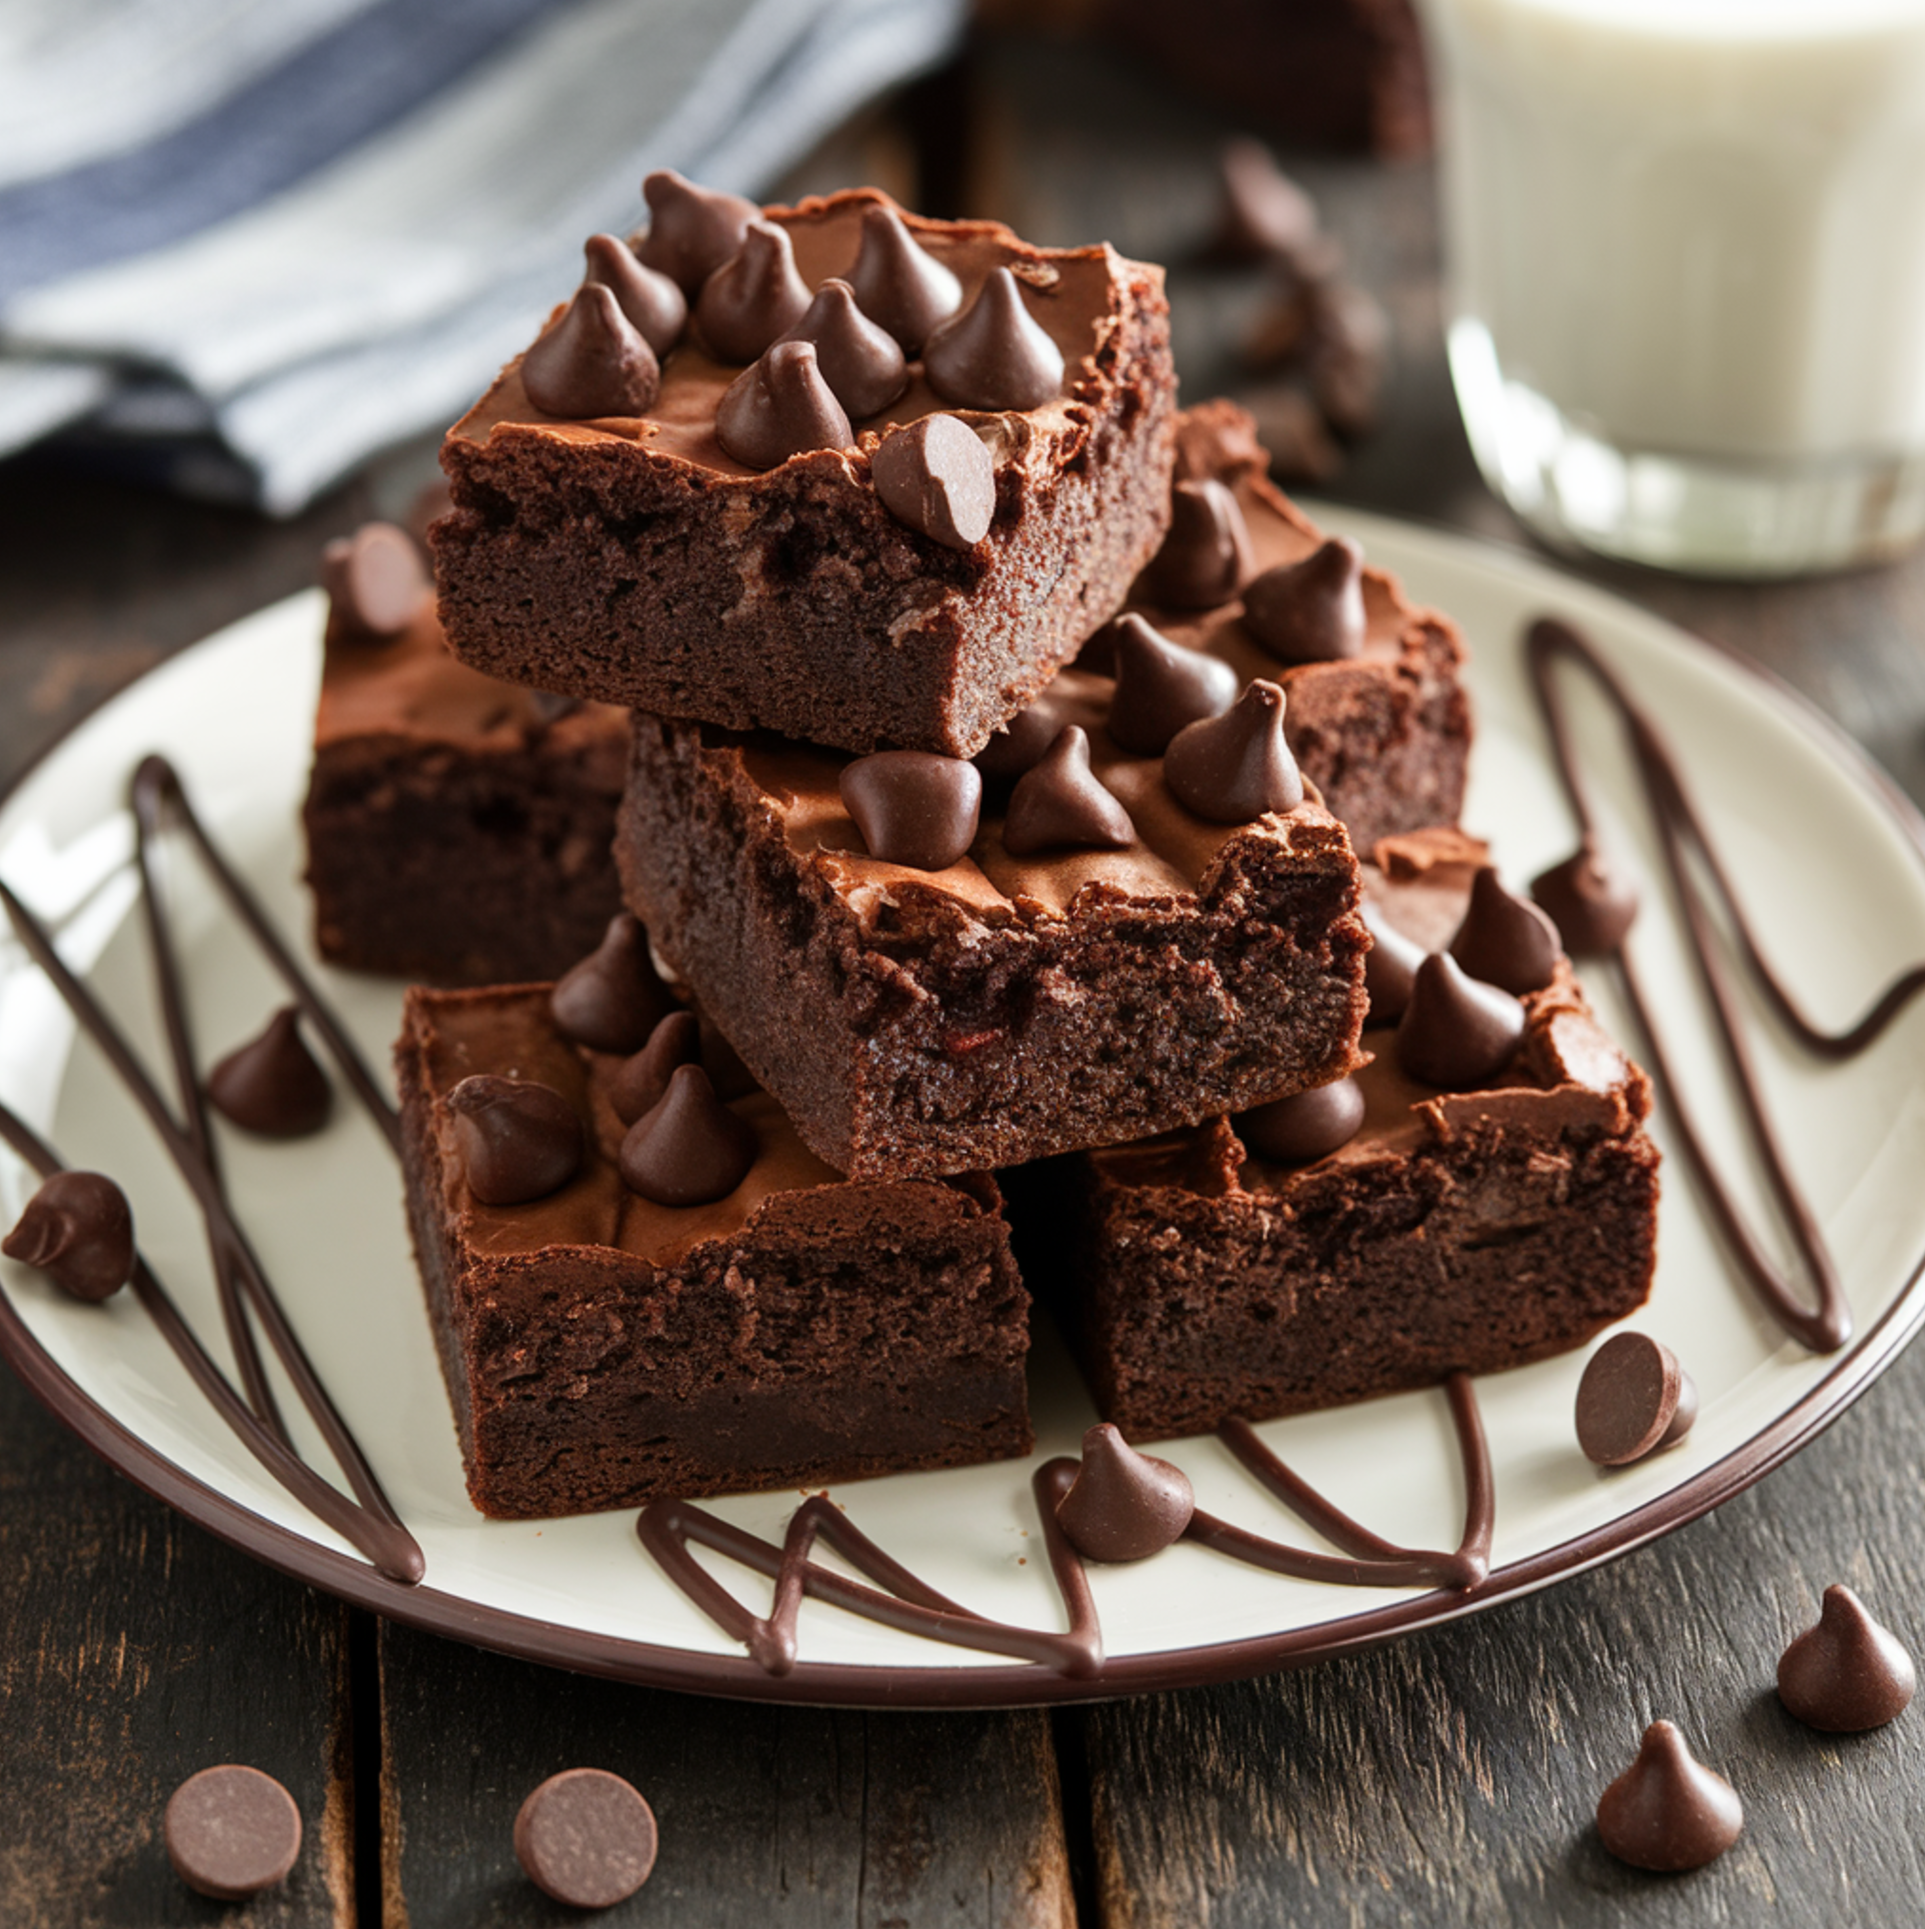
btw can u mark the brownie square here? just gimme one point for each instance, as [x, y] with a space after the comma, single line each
[602, 1351]
[632, 560]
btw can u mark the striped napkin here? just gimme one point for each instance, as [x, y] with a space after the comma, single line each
[243, 247]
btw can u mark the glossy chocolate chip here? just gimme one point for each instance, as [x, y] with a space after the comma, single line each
[1019, 745]
[586, 1839]
[78, 1230]
[1633, 1400]
[1265, 216]
[1504, 939]
[938, 478]
[1233, 768]
[1846, 1674]
[995, 354]
[1667, 1811]
[899, 285]
[517, 1139]
[592, 362]
[692, 230]
[779, 407]
[1310, 611]
[231, 1832]
[860, 362]
[688, 1148]
[754, 298]
[1123, 1505]
[1456, 1032]
[1161, 687]
[1591, 898]
[612, 1000]
[376, 581]
[639, 1081]
[914, 807]
[273, 1085]
[1309, 1125]
[1390, 967]
[1060, 804]
[652, 301]
[1206, 556]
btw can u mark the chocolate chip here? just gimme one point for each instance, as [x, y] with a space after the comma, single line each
[1233, 768]
[1123, 1505]
[231, 1832]
[586, 1839]
[899, 285]
[688, 1148]
[1310, 611]
[938, 478]
[592, 362]
[1846, 1674]
[1667, 1811]
[78, 1230]
[376, 582]
[754, 298]
[1310, 1125]
[1591, 898]
[1456, 1032]
[1634, 1398]
[1019, 745]
[691, 230]
[913, 807]
[517, 1139]
[612, 1000]
[1265, 215]
[272, 1084]
[1161, 687]
[651, 300]
[1059, 803]
[1390, 968]
[995, 354]
[860, 362]
[1206, 555]
[1504, 939]
[779, 407]
[640, 1081]
[1349, 344]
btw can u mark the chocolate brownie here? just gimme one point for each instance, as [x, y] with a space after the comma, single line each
[631, 558]
[601, 1349]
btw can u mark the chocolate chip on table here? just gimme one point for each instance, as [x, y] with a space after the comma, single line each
[1848, 1673]
[231, 1832]
[1233, 768]
[653, 301]
[1161, 687]
[861, 363]
[375, 580]
[1123, 1505]
[1390, 967]
[1633, 1400]
[1456, 1032]
[754, 298]
[612, 1000]
[1591, 898]
[640, 1081]
[780, 406]
[517, 1138]
[1060, 803]
[272, 1085]
[586, 1839]
[1205, 557]
[1311, 611]
[79, 1230]
[592, 362]
[692, 230]
[994, 354]
[899, 284]
[688, 1149]
[937, 478]
[1306, 1126]
[1667, 1812]
[913, 807]
[1504, 939]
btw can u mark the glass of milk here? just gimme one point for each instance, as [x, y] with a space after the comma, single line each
[1685, 246]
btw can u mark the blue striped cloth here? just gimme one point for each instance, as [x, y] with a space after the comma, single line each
[244, 247]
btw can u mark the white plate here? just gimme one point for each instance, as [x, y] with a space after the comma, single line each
[1826, 855]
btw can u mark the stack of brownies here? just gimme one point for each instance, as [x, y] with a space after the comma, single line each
[1000, 751]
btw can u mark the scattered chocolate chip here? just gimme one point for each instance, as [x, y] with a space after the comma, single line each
[1456, 1032]
[899, 285]
[1265, 215]
[1667, 1811]
[1591, 898]
[1059, 803]
[272, 1084]
[231, 1832]
[779, 407]
[517, 1139]
[995, 354]
[612, 1000]
[1206, 555]
[1123, 1505]
[1634, 1399]
[1310, 611]
[1390, 967]
[586, 1839]
[1292, 430]
[1349, 345]
[1161, 687]
[376, 581]
[1846, 1674]
[1231, 769]
[1019, 745]
[651, 300]
[640, 1081]
[688, 1148]
[592, 362]
[1310, 1125]
[78, 1230]
[913, 807]
[691, 230]
[754, 298]
[860, 362]
[937, 477]
[1504, 939]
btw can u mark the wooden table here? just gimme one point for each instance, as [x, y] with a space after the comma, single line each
[1449, 1778]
